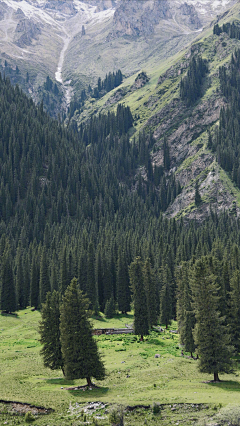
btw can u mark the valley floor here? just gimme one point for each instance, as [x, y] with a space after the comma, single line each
[134, 377]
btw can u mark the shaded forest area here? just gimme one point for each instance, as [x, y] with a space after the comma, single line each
[87, 202]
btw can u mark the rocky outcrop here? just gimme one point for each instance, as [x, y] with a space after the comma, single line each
[62, 6]
[3, 9]
[27, 31]
[18, 14]
[140, 81]
[136, 18]
[189, 16]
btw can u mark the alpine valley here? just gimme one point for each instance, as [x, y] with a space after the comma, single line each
[119, 178]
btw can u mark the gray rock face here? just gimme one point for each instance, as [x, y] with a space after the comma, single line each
[65, 7]
[27, 31]
[136, 18]
[3, 9]
[18, 14]
[190, 16]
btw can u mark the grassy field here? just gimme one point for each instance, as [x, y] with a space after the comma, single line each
[134, 377]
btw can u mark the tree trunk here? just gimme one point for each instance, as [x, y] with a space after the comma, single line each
[89, 382]
[216, 378]
[141, 340]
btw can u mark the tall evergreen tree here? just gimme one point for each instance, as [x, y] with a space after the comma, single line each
[165, 297]
[91, 281]
[141, 325]
[34, 283]
[123, 290]
[44, 282]
[210, 334]
[150, 288]
[79, 349]
[7, 289]
[234, 310]
[49, 329]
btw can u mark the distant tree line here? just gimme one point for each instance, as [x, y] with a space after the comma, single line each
[232, 29]
[191, 84]
[225, 141]
[111, 81]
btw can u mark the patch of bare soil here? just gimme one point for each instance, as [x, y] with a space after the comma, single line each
[22, 408]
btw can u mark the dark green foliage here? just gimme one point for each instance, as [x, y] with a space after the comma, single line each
[197, 198]
[234, 310]
[7, 289]
[191, 84]
[110, 310]
[123, 288]
[111, 81]
[44, 282]
[232, 29]
[141, 325]
[166, 297]
[150, 289]
[210, 334]
[50, 332]
[226, 140]
[185, 315]
[79, 349]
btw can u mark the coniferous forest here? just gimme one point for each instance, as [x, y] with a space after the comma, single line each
[87, 203]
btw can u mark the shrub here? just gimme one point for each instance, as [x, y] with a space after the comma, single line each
[29, 417]
[229, 415]
[116, 416]
[156, 409]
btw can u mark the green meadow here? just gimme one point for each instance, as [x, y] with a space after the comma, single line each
[135, 377]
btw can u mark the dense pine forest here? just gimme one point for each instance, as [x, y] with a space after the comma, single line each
[88, 203]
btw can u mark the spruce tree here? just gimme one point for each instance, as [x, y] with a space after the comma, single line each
[34, 283]
[141, 325]
[49, 329]
[44, 283]
[234, 310]
[91, 281]
[123, 290]
[7, 285]
[185, 315]
[210, 334]
[79, 349]
[198, 198]
[166, 297]
[109, 310]
[150, 288]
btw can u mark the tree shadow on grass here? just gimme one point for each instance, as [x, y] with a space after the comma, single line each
[227, 385]
[60, 381]
[96, 392]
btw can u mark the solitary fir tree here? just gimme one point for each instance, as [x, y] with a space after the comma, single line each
[141, 325]
[49, 330]
[185, 314]
[210, 334]
[79, 349]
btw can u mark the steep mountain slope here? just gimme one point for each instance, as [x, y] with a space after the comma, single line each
[157, 107]
[74, 42]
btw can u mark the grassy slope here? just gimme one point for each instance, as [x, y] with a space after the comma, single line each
[168, 379]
